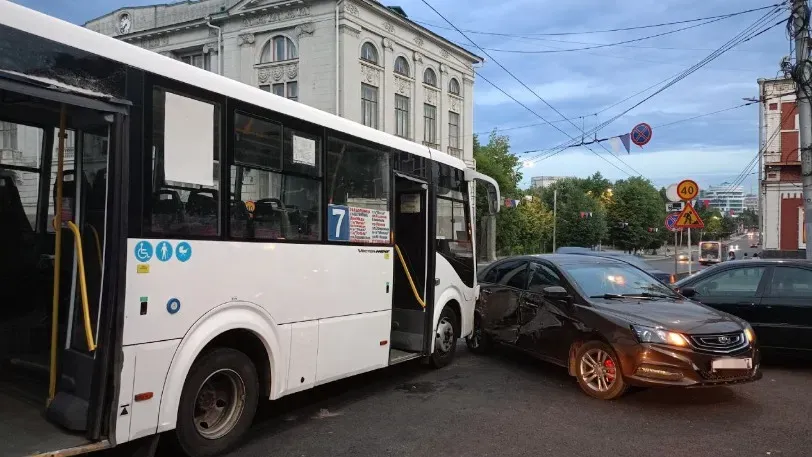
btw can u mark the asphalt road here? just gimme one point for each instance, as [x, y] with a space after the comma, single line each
[667, 265]
[508, 404]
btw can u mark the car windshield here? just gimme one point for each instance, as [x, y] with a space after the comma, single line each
[608, 281]
[636, 261]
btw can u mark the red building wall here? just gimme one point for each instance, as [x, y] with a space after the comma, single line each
[789, 222]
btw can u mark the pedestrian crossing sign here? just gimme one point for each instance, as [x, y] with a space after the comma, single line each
[689, 218]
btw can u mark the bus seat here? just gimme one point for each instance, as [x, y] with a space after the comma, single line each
[201, 212]
[270, 219]
[16, 233]
[167, 210]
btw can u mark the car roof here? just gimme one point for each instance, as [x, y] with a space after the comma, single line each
[741, 263]
[565, 259]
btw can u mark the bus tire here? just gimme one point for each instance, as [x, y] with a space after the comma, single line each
[217, 404]
[445, 339]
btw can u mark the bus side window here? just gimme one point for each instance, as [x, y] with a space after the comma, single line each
[275, 176]
[185, 187]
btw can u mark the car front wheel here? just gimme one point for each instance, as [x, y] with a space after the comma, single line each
[598, 371]
[478, 342]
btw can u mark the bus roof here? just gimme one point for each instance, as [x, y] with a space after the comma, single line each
[57, 30]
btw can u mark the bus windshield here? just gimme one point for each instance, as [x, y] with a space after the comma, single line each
[709, 250]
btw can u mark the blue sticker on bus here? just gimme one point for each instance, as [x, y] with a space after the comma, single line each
[338, 223]
[173, 306]
[163, 251]
[143, 251]
[183, 251]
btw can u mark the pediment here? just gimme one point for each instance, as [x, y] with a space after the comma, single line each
[243, 6]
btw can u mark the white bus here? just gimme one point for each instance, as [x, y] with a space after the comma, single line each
[176, 246]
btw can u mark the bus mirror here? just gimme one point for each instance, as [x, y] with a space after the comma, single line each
[492, 188]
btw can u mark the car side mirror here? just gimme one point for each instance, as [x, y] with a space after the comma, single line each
[688, 292]
[556, 293]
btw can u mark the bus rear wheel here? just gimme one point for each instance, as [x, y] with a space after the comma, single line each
[218, 403]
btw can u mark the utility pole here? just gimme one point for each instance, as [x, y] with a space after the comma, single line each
[802, 74]
[555, 217]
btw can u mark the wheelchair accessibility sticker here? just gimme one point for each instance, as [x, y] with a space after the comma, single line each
[143, 251]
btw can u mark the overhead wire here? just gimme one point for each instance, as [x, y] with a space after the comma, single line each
[622, 29]
[534, 93]
[745, 35]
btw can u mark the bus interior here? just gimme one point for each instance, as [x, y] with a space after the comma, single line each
[53, 173]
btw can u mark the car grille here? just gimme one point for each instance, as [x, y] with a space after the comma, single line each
[726, 375]
[722, 343]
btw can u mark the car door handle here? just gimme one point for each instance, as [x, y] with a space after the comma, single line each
[746, 303]
[486, 291]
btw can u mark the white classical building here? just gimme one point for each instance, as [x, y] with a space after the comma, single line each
[358, 59]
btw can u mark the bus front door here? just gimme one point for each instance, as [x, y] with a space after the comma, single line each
[53, 228]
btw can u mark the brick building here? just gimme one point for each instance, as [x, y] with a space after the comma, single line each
[780, 191]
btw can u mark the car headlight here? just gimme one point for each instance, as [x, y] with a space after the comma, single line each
[659, 335]
[750, 334]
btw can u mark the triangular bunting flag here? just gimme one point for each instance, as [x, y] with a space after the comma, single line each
[626, 140]
[615, 143]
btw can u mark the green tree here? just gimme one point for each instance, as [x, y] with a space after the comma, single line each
[749, 219]
[574, 225]
[713, 228]
[636, 206]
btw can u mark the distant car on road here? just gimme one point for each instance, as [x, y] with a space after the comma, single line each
[682, 257]
[666, 278]
[611, 324]
[774, 296]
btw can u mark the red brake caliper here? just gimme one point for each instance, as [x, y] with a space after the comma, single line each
[610, 370]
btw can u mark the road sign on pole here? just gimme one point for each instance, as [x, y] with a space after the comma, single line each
[674, 207]
[687, 189]
[671, 193]
[641, 134]
[670, 220]
[689, 218]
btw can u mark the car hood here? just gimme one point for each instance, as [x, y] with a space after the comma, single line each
[680, 315]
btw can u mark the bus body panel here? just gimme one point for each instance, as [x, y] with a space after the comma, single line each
[350, 345]
[451, 288]
[152, 363]
[230, 316]
[292, 282]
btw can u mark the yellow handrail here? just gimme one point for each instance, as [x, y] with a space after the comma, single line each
[77, 239]
[60, 168]
[409, 277]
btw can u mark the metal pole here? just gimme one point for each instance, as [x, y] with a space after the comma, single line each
[555, 212]
[800, 28]
[761, 146]
[690, 254]
[676, 255]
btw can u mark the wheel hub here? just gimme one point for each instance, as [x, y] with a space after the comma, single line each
[445, 335]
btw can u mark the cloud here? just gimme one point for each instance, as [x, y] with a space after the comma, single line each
[555, 91]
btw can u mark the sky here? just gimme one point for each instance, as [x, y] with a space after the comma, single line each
[578, 84]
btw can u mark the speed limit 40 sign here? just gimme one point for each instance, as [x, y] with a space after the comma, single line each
[687, 189]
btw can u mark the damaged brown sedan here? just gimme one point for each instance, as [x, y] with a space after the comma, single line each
[610, 324]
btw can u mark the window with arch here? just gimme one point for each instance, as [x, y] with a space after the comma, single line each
[279, 48]
[369, 53]
[401, 66]
[454, 86]
[430, 77]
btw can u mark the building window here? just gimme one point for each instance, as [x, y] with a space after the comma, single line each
[369, 105]
[402, 116]
[430, 124]
[430, 77]
[453, 130]
[369, 53]
[289, 90]
[8, 136]
[279, 48]
[454, 86]
[401, 66]
[199, 60]
[275, 182]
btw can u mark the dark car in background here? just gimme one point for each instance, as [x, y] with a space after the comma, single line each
[774, 296]
[611, 324]
[667, 278]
